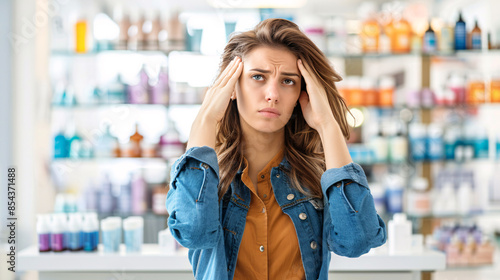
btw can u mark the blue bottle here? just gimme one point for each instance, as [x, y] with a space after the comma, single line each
[430, 40]
[481, 144]
[61, 149]
[418, 142]
[460, 34]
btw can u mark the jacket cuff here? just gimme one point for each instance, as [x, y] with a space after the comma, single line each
[351, 171]
[203, 154]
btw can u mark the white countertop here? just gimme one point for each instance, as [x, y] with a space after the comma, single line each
[151, 259]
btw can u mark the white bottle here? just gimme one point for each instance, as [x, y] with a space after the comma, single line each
[166, 242]
[399, 235]
[464, 197]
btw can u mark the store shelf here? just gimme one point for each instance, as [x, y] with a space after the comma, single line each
[152, 259]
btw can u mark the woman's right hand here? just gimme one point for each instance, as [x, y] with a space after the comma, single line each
[219, 94]
[214, 106]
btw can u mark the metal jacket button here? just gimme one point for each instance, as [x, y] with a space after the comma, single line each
[204, 165]
[302, 216]
[262, 248]
[277, 175]
[314, 245]
[290, 196]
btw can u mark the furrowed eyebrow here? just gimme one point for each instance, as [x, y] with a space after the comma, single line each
[282, 73]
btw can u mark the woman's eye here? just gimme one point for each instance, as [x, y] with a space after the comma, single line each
[257, 77]
[289, 82]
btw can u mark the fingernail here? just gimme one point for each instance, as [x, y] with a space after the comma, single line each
[300, 61]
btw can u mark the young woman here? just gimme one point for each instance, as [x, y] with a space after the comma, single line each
[267, 187]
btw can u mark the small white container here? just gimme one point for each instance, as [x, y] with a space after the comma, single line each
[133, 228]
[166, 242]
[399, 235]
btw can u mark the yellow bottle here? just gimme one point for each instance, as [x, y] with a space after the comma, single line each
[495, 89]
[81, 36]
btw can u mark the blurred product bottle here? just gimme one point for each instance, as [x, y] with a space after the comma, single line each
[158, 200]
[399, 234]
[379, 145]
[158, 87]
[106, 200]
[446, 39]
[74, 228]
[384, 45]
[317, 35]
[135, 141]
[74, 142]
[495, 89]
[476, 89]
[418, 135]
[139, 189]
[116, 91]
[170, 144]
[106, 144]
[43, 231]
[465, 193]
[133, 232]
[90, 229]
[125, 197]
[56, 234]
[475, 37]
[123, 20]
[430, 44]
[419, 198]
[91, 197]
[138, 92]
[445, 202]
[370, 29]
[460, 33]
[175, 39]
[81, 35]
[450, 140]
[386, 91]
[435, 145]
[401, 36]
[135, 31]
[355, 92]
[151, 29]
[394, 193]
[417, 43]
[61, 145]
[369, 91]
[481, 142]
[398, 148]
[456, 83]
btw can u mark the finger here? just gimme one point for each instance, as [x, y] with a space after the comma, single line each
[230, 74]
[305, 73]
[224, 73]
[303, 99]
[234, 78]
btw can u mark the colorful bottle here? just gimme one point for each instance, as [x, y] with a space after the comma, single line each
[135, 141]
[43, 231]
[430, 44]
[138, 92]
[90, 230]
[125, 198]
[139, 189]
[386, 91]
[61, 146]
[106, 201]
[158, 88]
[170, 144]
[401, 36]
[81, 36]
[369, 91]
[460, 33]
[105, 144]
[370, 32]
[74, 228]
[356, 94]
[495, 89]
[56, 234]
[475, 37]
[116, 92]
[476, 90]
[446, 39]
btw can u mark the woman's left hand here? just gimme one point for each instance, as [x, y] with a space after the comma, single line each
[314, 102]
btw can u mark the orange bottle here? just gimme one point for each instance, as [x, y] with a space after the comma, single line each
[81, 36]
[476, 90]
[495, 89]
[135, 140]
[355, 92]
[370, 33]
[370, 94]
[400, 36]
[386, 91]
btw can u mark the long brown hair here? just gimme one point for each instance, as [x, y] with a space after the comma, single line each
[303, 148]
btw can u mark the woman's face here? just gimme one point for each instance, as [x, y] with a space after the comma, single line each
[268, 89]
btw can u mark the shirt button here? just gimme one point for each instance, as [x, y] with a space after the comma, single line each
[261, 248]
[262, 176]
[265, 196]
[302, 216]
[277, 175]
[314, 245]
[290, 196]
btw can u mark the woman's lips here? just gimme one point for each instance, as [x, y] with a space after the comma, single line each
[270, 112]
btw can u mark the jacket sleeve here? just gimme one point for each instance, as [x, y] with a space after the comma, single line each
[352, 224]
[192, 200]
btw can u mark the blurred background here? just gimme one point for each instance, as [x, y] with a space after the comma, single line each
[97, 100]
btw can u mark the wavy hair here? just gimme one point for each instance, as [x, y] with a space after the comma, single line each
[303, 148]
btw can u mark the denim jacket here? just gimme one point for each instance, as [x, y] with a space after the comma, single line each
[344, 222]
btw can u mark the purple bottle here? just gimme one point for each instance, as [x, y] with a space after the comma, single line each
[43, 231]
[56, 235]
[158, 88]
[138, 195]
[138, 93]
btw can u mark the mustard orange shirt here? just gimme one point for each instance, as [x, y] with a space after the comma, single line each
[269, 247]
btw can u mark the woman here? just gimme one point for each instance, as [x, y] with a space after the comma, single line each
[250, 197]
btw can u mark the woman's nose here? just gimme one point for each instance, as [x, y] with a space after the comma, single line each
[272, 93]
